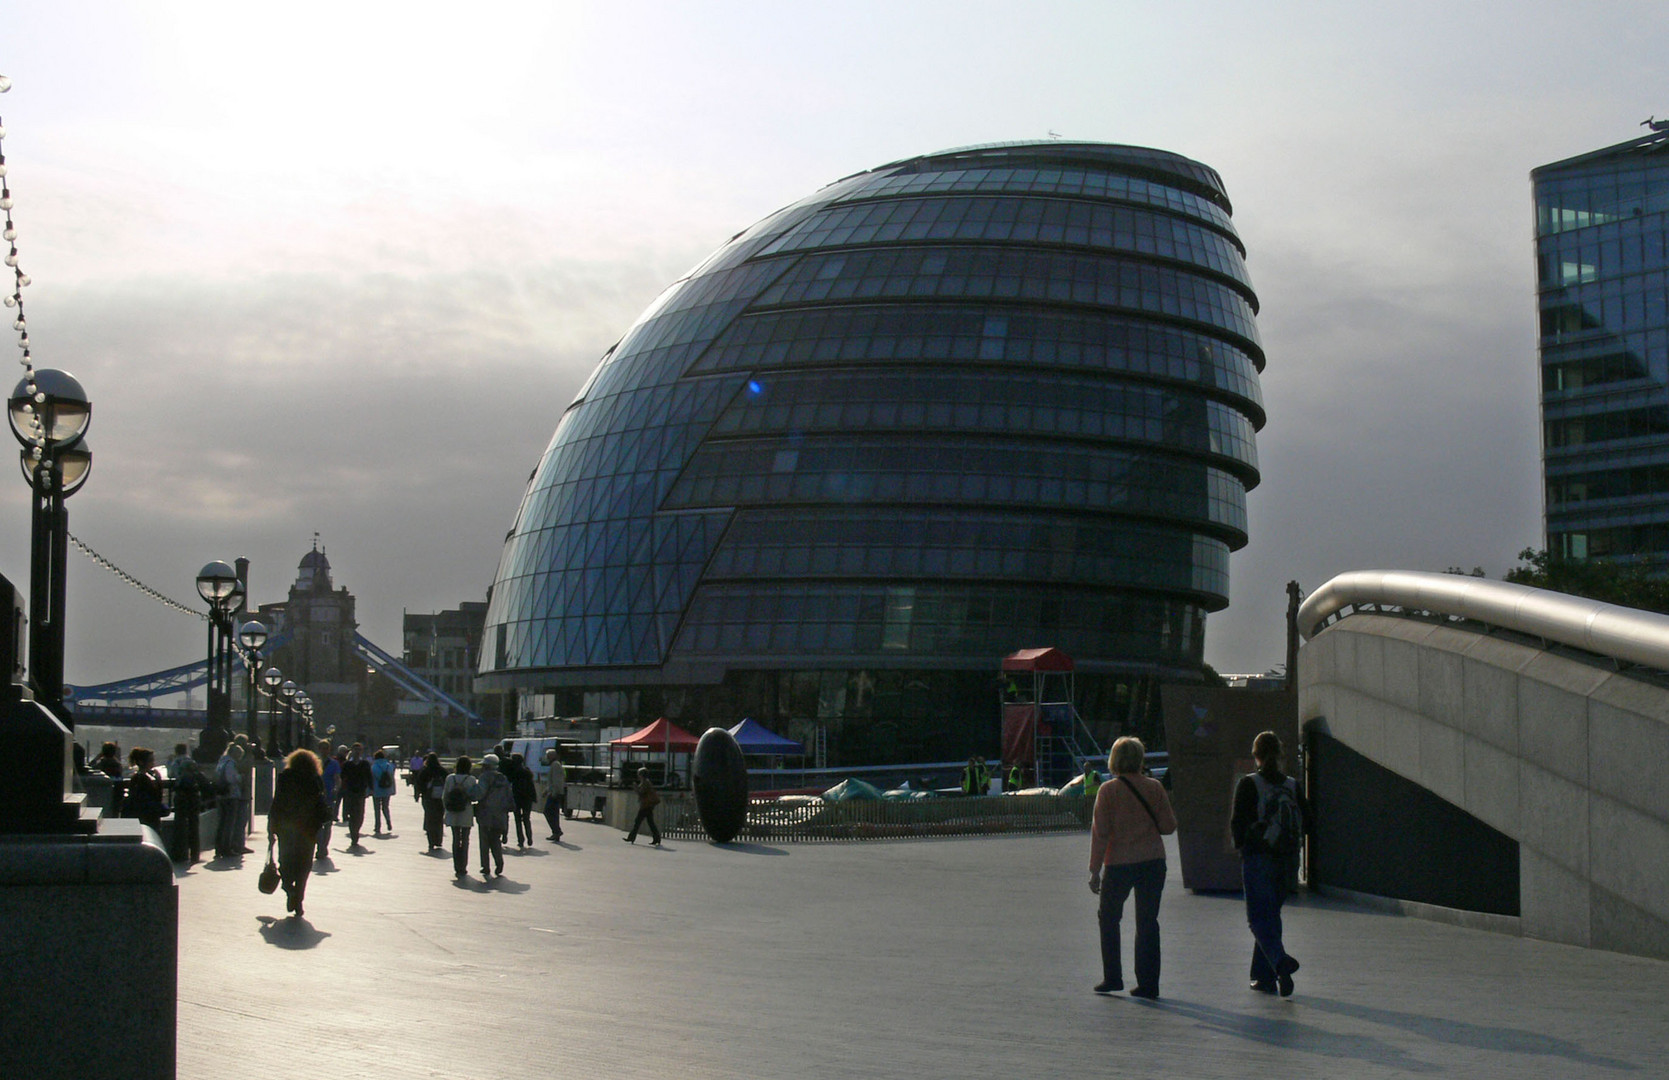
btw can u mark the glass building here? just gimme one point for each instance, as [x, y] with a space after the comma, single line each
[981, 400]
[1602, 249]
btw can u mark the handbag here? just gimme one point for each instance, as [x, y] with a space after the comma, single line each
[269, 872]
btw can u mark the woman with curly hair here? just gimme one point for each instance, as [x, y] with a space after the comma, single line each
[298, 810]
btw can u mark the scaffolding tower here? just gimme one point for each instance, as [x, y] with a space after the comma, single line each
[1042, 730]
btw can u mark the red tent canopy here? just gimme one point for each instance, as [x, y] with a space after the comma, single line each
[1037, 660]
[661, 735]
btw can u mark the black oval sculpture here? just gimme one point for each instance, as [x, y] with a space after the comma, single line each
[721, 784]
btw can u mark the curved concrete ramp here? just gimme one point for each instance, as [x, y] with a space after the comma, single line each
[1562, 753]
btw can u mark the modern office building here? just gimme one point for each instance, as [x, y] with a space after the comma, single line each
[981, 400]
[444, 649]
[1602, 249]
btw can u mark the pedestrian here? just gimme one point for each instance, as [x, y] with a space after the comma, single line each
[1268, 825]
[429, 786]
[144, 789]
[109, 761]
[341, 759]
[383, 785]
[356, 788]
[556, 793]
[524, 790]
[1016, 778]
[190, 793]
[298, 810]
[458, 797]
[493, 803]
[647, 799]
[228, 799]
[330, 775]
[1132, 813]
[177, 763]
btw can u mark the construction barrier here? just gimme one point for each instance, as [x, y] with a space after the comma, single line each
[809, 819]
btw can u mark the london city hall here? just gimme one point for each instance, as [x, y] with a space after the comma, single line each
[987, 399]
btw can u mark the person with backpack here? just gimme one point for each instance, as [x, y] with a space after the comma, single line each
[493, 803]
[1268, 827]
[458, 798]
[382, 793]
[1127, 853]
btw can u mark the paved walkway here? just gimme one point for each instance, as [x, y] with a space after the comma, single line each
[933, 958]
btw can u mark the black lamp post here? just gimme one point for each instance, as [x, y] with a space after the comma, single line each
[217, 583]
[251, 635]
[288, 689]
[272, 677]
[49, 414]
[304, 706]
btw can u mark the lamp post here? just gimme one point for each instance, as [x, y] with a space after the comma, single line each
[217, 583]
[49, 414]
[272, 677]
[251, 635]
[304, 705]
[288, 689]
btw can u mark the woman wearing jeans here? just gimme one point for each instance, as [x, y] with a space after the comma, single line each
[1127, 854]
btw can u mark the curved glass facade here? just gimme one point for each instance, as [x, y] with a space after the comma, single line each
[971, 402]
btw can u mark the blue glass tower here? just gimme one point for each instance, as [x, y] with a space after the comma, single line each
[1602, 253]
[980, 400]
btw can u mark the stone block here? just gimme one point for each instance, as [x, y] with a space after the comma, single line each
[1401, 743]
[1370, 665]
[1442, 675]
[1442, 759]
[1576, 676]
[1628, 757]
[1490, 704]
[1358, 721]
[1553, 728]
[1622, 927]
[91, 985]
[1628, 854]
[1491, 792]
[1401, 674]
[1344, 654]
[1554, 903]
[1553, 817]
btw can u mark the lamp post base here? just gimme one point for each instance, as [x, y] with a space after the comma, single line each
[35, 767]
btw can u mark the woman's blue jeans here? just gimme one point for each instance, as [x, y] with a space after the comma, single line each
[1264, 879]
[1147, 879]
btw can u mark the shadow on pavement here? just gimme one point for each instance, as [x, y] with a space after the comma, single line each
[230, 862]
[1292, 1034]
[1442, 1029]
[746, 848]
[295, 933]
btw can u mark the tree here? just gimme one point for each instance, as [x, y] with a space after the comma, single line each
[1626, 584]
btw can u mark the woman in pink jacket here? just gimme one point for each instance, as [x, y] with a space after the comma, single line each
[1127, 853]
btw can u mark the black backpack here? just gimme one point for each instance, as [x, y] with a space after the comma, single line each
[1280, 823]
[457, 798]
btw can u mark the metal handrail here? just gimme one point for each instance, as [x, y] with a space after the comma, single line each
[1627, 634]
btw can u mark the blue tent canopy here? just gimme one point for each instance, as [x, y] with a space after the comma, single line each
[755, 738]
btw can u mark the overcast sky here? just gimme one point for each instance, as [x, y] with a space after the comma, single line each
[340, 267]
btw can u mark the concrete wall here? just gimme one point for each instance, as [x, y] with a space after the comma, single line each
[1569, 759]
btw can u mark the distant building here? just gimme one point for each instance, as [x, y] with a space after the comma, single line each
[1602, 249]
[965, 403]
[315, 629]
[443, 648]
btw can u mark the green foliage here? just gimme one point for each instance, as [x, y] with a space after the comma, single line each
[1627, 584]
